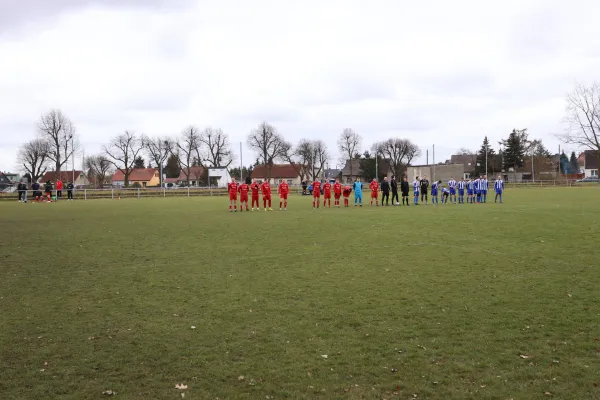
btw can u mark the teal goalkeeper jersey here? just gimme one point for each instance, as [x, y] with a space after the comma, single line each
[358, 188]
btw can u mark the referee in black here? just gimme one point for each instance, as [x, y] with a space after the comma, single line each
[424, 187]
[385, 189]
[395, 199]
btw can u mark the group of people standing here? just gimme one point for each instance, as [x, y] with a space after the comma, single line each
[476, 191]
[48, 188]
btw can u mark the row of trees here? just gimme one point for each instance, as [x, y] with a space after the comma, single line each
[57, 142]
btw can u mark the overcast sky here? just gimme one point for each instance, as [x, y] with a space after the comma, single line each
[437, 72]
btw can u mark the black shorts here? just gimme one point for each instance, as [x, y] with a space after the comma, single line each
[404, 194]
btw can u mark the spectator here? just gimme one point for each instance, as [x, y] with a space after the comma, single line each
[70, 188]
[59, 188]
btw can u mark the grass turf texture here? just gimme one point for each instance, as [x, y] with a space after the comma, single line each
[454, 301]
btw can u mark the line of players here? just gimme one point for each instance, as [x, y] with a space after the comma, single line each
[476, 191]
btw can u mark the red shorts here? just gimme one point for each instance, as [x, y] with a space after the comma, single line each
[327, 195]
[266, 197]
[346, 196]
[244, 198]
[337, 195]
[232, 196]
[317, 194]
[283, 196]
[374, 195]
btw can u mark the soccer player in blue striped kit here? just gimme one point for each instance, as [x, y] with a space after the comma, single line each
[452, 187]
[477, 190]
[416, 184]
[499, 187]
[484, 186]
[470, 191]
[434, 191]
[461, 191]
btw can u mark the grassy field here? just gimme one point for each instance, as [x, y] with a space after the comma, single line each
[449, 302]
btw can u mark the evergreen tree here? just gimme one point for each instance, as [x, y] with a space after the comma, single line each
[480, 168]
[171, 170]
[564, 163]
[514, 149]
[139, 163]
[573, 164]
[367, 167]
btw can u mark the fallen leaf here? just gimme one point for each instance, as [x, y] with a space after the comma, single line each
[109, 393]
[193, 327]
[569, 294]
[241, 378]
[45, 363]
[548, 393]
[181, 386]
[42, 370]
[182, 395]
[324, 355]
[524, 356]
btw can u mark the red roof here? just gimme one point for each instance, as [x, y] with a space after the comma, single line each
[195, 173]
[170, 180]
[287, 171]
[137, 174]
[65, 176]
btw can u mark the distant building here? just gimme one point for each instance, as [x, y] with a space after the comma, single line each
[351, 176]
[4, 181]
[469, 162]
[197, 174]
[332, 173]
[144, 177]
[77, 177]
[279, 172]
[436, 172]
[590, 163]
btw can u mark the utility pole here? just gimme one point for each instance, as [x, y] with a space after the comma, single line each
[433, 177]
[486, 161]
[241, 165]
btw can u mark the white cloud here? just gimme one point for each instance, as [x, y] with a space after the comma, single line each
[437, 72]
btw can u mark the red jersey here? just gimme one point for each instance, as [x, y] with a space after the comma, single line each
[284, 188]
[244, 189]
[266, 189]
[337, 188]
[255, 187]
[317, 187]
[59, 185]
[233, 188]
[374, 186]
[327, 188]
[347, 191]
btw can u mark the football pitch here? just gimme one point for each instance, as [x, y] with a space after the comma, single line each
[491, 301]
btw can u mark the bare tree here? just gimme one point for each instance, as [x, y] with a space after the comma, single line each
[319, 158]
[583, 118]
[186, 145]
[59, 132]
[122, 152]
[216, 148]
[300, 157]
[269, 144]
[349, 144]
[98, 168]
[157, 149]
[33, 156]
[398, 153]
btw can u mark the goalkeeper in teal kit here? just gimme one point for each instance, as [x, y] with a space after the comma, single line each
[357, 193]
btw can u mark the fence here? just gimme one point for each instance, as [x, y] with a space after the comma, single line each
[158, 192]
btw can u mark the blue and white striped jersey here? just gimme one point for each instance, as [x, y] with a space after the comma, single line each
[469, 185]
[434, 186]
[484, 184]
[451, 183]
[461, 185]
[476, 184]
[499, 184]
[416, 185]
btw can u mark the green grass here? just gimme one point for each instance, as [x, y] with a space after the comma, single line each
[433, 302]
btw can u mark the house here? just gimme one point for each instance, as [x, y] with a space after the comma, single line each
[14, 178]
[77, 177]
[351, 171]
[544, 168]
[332, 173]
[4, 181]
[590, 163]
[196, 175]
[469, 162]
[279, 172]
[144, 177]
[443, 172]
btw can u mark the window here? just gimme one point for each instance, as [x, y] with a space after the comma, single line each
[289, 181]
[144, 184]
[281, 180]
[594, 172]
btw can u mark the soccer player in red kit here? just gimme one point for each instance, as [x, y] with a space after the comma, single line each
[327, 194]
[337, 192]
[283, 190]
[266, 194]
[374, 186]
[255, 188]
[347, 191]
[244, 188]
[233, 191]
[316, 194]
